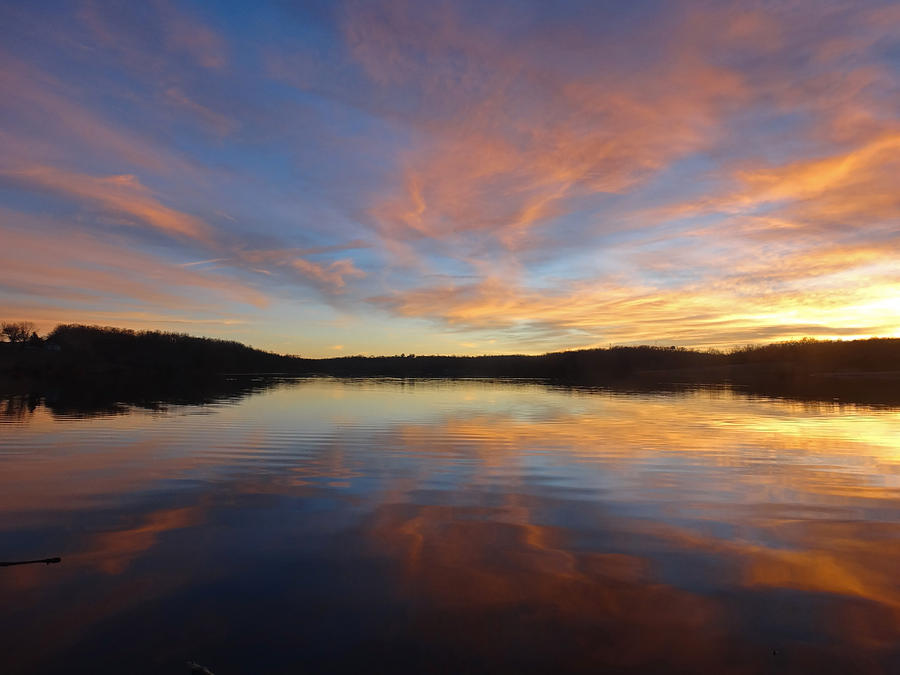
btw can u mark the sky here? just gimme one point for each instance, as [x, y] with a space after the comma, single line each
[330, 178]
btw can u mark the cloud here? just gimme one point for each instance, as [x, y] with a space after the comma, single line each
[597, 313]
[851, 188]
[329, 276]
[47, 119]
[159, 26]
[522, 155]
[123, 196]
[333, 274]
[187, 34]
[509, 136]
[585, 174]
[54, 276]
[216, 121]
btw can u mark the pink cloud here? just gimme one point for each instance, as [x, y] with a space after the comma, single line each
[55, 277]
[123, 196]
[333, 275]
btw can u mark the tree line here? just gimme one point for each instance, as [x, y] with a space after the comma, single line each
[92, 350]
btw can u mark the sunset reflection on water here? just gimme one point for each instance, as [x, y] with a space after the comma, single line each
[452, 527]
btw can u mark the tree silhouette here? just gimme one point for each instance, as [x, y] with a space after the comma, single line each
[17, 331]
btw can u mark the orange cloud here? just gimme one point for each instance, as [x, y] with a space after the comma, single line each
[590, 313]
[511, 139]
[122, 196]
[76, 277]
[854, 188]
[506, 138]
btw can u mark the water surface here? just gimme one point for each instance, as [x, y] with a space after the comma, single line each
[450, 526]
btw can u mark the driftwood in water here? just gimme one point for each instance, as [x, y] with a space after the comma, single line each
[46, 561]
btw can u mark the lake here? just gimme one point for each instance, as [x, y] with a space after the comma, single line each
[321, 525]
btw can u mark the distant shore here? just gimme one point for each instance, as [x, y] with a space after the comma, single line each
[810, 368]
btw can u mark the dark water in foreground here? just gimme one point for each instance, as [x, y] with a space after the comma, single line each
[365, 526]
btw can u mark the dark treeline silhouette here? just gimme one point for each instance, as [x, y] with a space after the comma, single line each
[803, 357]
[611, 363]
[860, 371]
[173, 362]
[824, 356]
[75, 351]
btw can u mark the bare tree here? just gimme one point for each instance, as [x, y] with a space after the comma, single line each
[16, 331]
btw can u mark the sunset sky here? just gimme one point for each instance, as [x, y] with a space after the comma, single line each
[447, 177]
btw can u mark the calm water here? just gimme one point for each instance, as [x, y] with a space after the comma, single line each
[372, 526]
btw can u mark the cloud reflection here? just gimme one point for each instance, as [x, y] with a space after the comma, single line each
[627, 529]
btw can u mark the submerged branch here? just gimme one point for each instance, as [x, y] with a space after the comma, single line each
[46, 561]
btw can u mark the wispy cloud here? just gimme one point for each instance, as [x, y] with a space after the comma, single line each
[123, 196]
[75, 276]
